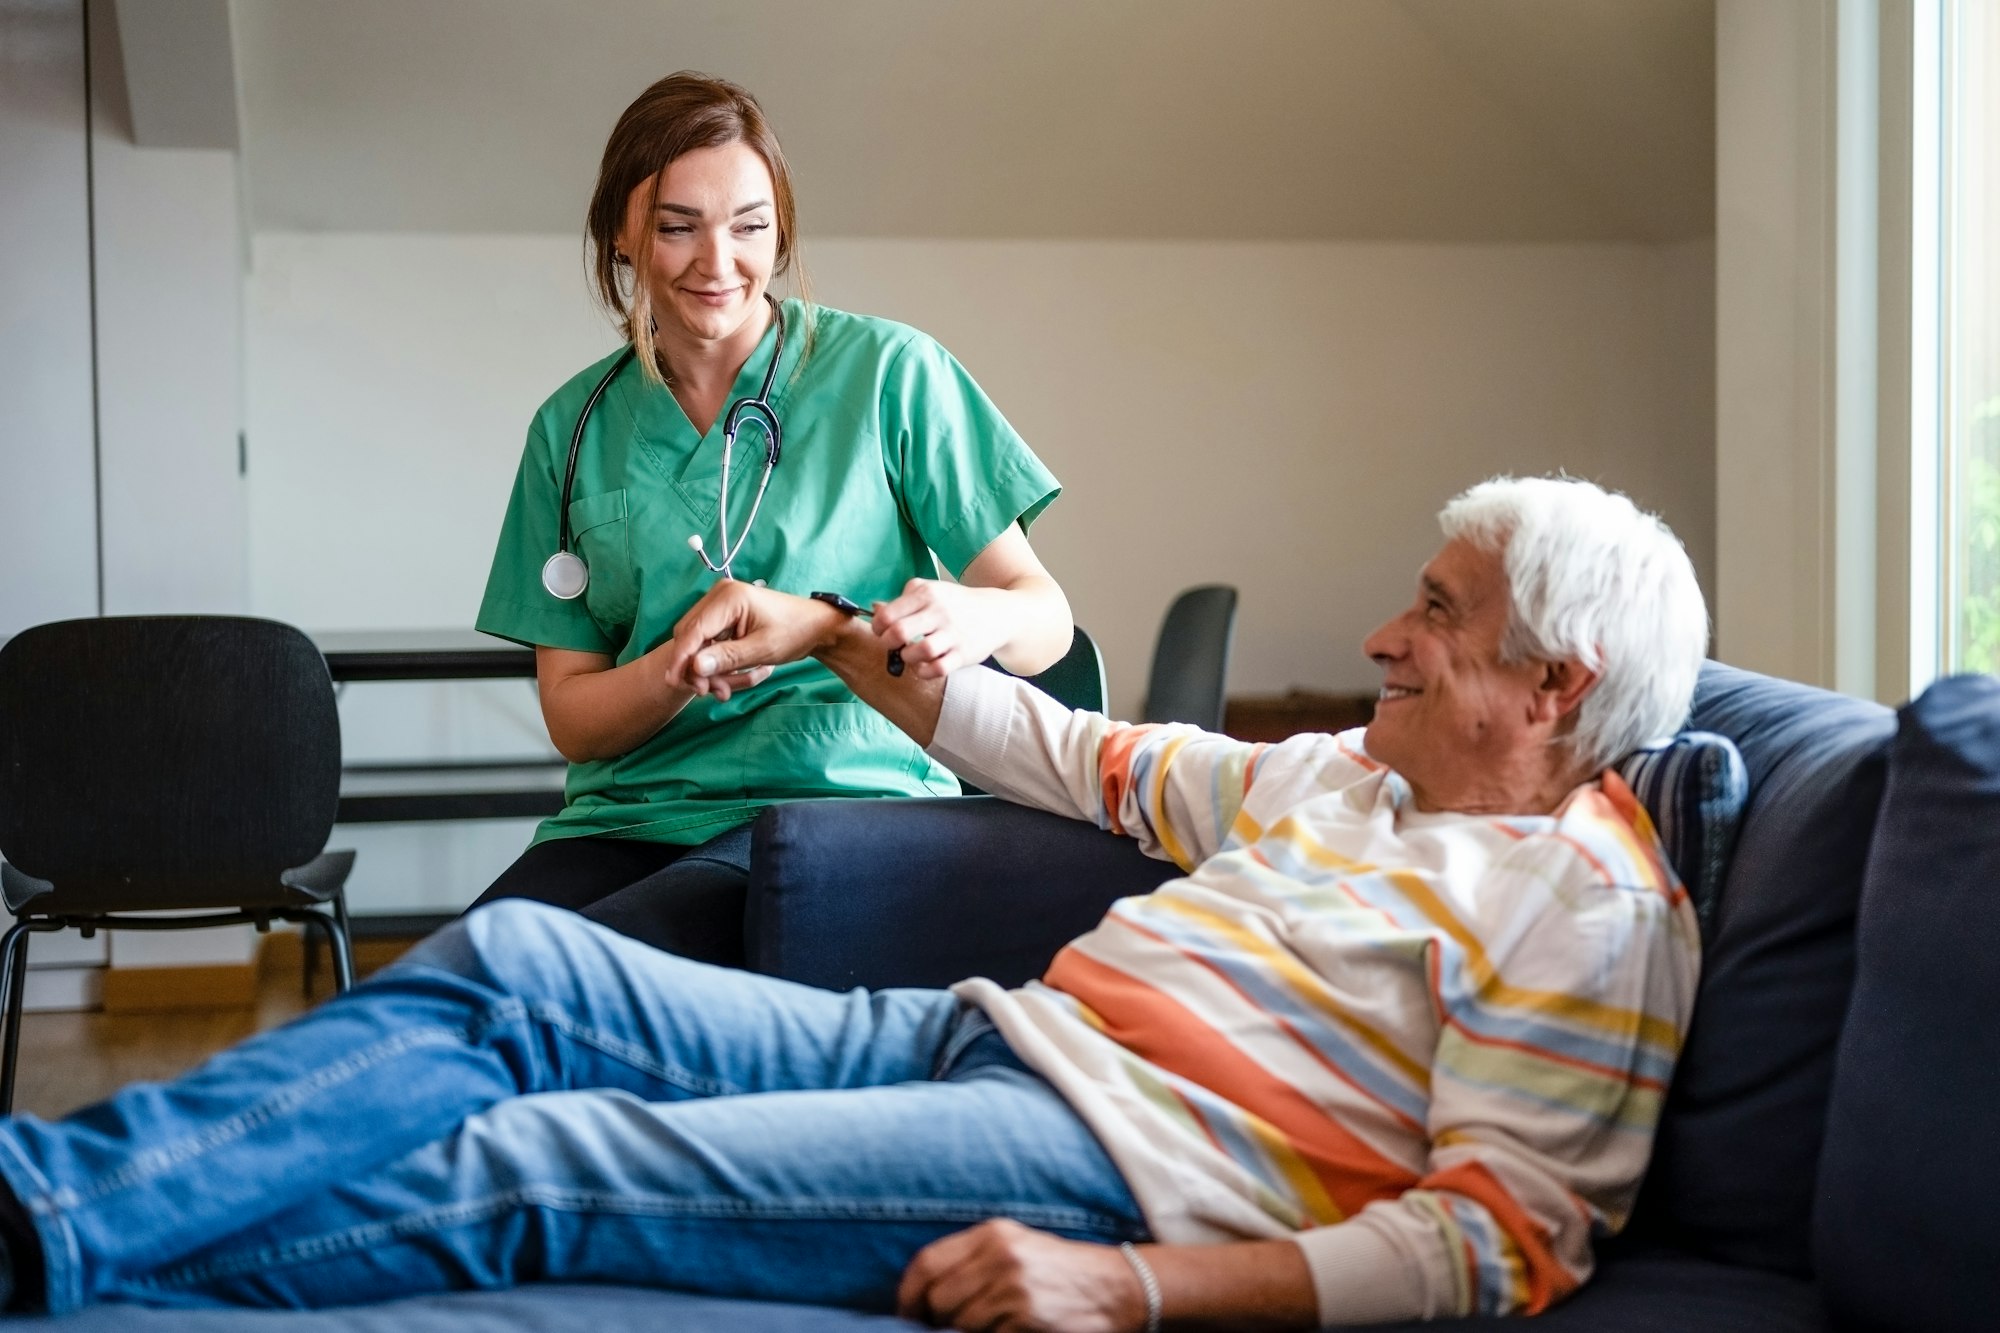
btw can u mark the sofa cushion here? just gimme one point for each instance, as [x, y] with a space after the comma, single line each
[1695, 787]
[538, 1308]
[1903, 1227]
[1661, 1292]
[1733, 1169]
[852, 892]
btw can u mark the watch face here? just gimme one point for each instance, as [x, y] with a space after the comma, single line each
[838, 602]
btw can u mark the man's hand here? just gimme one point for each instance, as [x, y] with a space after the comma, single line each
[943, 626]
[737, 632]
[1002, 1275]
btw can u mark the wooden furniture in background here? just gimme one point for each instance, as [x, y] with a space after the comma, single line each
[1273, 717]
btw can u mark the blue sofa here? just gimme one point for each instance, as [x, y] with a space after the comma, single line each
[1820, 1163]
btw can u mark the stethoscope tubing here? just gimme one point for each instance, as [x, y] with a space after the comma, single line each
[756, 409]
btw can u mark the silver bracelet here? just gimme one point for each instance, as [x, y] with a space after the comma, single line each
[1147, 1283]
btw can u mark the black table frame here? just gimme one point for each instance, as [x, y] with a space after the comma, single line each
[430, 655]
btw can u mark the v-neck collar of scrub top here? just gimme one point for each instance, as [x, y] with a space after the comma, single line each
[693, 464]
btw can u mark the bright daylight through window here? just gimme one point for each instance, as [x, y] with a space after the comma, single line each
[1972, 335]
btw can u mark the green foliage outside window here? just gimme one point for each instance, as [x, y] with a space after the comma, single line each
[1980, 615]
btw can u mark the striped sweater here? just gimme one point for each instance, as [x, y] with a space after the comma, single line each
[1430, 1048]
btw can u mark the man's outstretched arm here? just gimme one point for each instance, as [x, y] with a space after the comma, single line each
[1175, 789]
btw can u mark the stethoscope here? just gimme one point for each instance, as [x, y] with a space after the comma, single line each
[566, 576]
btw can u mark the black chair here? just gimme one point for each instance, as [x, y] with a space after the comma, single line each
[1191, 658]
[165, 763]
[1076, 680]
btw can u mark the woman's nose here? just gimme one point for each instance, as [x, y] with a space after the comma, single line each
[713, 254]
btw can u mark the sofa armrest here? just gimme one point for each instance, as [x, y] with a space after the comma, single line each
[925, 892]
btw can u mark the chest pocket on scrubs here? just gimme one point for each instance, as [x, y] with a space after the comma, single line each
[603, 537]
[795, 750]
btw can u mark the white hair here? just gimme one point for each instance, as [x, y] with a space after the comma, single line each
[1594, 578]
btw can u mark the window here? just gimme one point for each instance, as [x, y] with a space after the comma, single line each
[1969, 317]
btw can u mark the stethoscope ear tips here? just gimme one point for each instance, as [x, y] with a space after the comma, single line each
[694, 543]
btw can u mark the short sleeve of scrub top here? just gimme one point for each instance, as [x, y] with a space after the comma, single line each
[890, 452]
[962, 471]
[516, 605]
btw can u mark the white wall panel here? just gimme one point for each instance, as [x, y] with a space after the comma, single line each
[1285, 417]
[48, 518]
[169, 346]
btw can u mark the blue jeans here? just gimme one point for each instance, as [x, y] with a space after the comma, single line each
[529, 1096]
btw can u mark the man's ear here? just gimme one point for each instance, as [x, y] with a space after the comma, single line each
[1562, 689]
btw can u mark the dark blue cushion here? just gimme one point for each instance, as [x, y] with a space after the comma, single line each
[927, 892]
[1695, 787]
[1661, 1293]
[531, 1309]
[1904, 1230]
[1738, 1148]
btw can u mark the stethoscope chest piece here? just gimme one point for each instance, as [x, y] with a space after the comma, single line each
[565, 575]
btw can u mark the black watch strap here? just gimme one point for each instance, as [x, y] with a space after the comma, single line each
[839, 602]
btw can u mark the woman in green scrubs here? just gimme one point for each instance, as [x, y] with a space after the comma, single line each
[891, 455]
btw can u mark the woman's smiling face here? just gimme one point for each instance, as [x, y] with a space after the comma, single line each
[714, 242]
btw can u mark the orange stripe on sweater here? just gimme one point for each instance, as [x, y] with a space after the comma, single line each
[1318, 998]
[1114, 767]
[1160, 1030]
[1549, 1279]
[1635, 825]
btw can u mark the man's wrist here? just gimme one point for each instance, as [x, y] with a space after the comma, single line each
[839, 619]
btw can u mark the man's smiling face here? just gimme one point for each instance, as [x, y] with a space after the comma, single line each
[1457, 722]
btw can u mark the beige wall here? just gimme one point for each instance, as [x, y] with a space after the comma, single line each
[1284, 417]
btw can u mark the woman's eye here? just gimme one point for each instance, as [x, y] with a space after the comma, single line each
[673, 229]
[750, 227]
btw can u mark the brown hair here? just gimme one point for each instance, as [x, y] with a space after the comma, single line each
[675, 116]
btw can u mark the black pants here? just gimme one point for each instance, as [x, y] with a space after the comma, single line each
[686, 900]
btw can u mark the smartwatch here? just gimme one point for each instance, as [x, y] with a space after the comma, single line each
[848, 606]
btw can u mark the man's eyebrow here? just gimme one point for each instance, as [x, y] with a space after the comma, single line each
[683, 210]
[1439, 591]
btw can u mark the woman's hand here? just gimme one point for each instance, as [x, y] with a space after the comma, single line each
[1002, 1275]
[943, 626]
[733, 637]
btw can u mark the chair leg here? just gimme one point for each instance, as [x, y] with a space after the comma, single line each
[341, 939]
[13, 993]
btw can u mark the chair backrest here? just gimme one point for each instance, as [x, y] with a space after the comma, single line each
[1077, 678]
[165, 761]
[1191, 658]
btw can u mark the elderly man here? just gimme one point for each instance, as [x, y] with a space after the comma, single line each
[1394, 1046]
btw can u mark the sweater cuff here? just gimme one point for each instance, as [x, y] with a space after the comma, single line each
[1360, 1277]
[974, 723]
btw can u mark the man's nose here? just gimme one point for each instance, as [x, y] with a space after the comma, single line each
[1385, 645]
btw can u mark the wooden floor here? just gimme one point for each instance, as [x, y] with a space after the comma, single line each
[72, 1060]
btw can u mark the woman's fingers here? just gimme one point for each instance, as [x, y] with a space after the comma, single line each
[933, 656]
[908, 628]
[724, 686]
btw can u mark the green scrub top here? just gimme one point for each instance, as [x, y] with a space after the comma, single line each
[891, 452]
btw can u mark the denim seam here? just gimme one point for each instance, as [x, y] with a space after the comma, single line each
[62, 1264]
[639, 1057]
[370, 1235]
[972, 1024]
[150, 1163]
